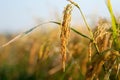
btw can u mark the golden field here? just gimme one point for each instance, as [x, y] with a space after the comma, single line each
[65, 52]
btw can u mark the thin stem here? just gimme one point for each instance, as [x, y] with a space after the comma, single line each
[88, 27]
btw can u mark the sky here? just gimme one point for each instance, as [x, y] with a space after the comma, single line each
[21, 15]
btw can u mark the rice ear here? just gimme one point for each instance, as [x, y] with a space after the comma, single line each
[65, 32]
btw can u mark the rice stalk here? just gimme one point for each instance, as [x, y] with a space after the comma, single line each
[65, 32]
[88, 27]
[90, 51]
[107, 75]
[118, 69]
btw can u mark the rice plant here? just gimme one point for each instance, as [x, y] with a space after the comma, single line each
[92, 56]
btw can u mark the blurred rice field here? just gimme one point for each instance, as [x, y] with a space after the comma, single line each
[37, 57]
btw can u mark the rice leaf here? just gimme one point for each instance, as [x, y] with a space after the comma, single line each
[74, 30]
[21, 35]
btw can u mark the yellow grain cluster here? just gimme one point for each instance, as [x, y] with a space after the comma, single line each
[102, 35]
[65, 32]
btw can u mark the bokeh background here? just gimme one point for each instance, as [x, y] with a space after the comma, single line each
[36, 56]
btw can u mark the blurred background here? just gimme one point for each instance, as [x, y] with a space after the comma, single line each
[36, 56]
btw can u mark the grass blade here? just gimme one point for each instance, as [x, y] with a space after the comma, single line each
[114, 27]
[21, 35]
[116, 43]
[80, 33]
